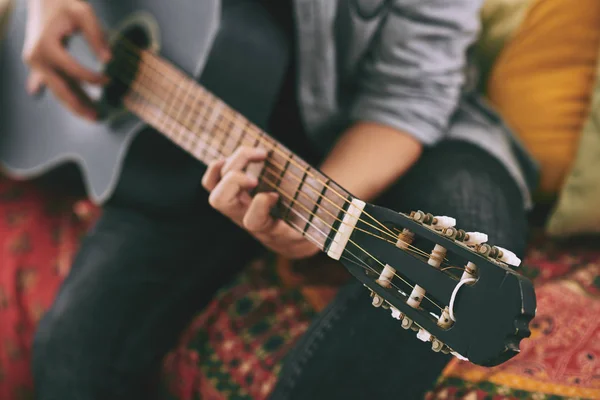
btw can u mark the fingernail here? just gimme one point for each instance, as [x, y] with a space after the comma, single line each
[252, 179]
[261, 152]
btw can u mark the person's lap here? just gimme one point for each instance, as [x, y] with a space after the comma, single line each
[144, 271]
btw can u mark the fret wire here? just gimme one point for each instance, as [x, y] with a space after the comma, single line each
[317, 202]
[297, 191]
[179, 107]
[207, 132]
[192, 94]
[215, 119]
[225, 136]
[235, 136]
[196, 123]
[171, 92]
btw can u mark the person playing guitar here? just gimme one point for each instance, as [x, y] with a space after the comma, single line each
[407, 131]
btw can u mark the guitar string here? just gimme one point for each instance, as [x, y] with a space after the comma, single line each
[297, 178]
[364, 264]
[282, 192]
[135, 48]
[275, 148]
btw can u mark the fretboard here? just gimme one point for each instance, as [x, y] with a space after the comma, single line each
[206, 127]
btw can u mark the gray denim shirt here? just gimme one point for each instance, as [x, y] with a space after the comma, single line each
[402, 63]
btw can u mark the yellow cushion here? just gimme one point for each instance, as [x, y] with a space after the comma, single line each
[543, 79]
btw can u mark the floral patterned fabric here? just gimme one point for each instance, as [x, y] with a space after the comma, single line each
[233, 349]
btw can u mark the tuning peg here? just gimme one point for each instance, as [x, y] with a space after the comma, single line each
[416, 296]
[442, 222]
[444, 321]
[422, 217]
[386, 276]
[509, 257]
[470, 271]
[405, 239]
[437, 256]
[423, 335]
[396, 314]
[475, 238]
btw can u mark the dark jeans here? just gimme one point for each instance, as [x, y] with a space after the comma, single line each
[159, 252]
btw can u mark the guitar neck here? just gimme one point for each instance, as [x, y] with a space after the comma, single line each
[206, 127]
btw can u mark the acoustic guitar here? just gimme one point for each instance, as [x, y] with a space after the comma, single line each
[451, 287]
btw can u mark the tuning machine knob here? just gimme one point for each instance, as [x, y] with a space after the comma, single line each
[500, 254]
[443, 222]
[475, 238]
[396, 314]
[508, 257]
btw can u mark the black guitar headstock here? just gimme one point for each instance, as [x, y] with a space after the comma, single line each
[449, 286]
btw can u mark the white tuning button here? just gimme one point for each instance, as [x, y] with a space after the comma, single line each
[442, 222]
[476, 238]
[423, 335]
[396, 313]
[509, 257]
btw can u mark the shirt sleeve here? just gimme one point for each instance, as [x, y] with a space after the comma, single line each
[413, 73]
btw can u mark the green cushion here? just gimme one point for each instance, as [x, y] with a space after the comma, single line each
[578, 208]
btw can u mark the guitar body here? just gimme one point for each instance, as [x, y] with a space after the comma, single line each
[204, 38]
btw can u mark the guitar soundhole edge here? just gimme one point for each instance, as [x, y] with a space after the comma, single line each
[123, 67]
